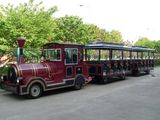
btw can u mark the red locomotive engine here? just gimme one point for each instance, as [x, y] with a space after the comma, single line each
[62, 66]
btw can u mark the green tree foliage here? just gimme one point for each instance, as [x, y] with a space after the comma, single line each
[115, 36]
[149, 43]
[37, 25]
[145, 42]
[97, 34]
[29, 20]
[71, 29]
[157, 46]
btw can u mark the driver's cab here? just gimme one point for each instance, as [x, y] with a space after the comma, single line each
[65, 60]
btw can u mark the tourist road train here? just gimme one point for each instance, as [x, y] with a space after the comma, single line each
[74, 65]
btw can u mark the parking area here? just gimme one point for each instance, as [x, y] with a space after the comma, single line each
[136, 98]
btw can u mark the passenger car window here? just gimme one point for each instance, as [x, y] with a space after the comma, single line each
[104, 55]
[92, 55]
[116, 55]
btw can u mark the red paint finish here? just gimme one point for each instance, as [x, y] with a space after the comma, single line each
[62, 64]
[21, 42]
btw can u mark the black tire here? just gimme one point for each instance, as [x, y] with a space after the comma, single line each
[136, 73]
[79, 83]
[35, 91]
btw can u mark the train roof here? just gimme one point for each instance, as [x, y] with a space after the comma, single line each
[61, 44]
[140, 48]
[116, 46]
[104, 45]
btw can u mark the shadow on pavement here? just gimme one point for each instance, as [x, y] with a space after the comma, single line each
[25, 97]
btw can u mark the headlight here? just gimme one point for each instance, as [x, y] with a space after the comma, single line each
[2, 77]
[19, 80]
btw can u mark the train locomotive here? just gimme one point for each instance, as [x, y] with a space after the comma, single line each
[62, 66]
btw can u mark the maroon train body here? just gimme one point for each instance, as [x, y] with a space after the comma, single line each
[62, 66]
[73, 65]
[108, 61]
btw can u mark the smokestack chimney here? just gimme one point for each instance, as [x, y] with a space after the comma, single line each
[20, 57]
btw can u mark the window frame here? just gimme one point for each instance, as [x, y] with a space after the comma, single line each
[114, 53]
[128, 56]
[134, 55]
[53, 50]
[105, 51]
[92, 57]
[65, 57]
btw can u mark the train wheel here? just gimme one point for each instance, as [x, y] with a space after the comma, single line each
[136, 73]
[79, 83]
[35, 91]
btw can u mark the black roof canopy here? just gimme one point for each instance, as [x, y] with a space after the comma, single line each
[141, 49]
[49, 44]
[116, 46]
[104, 45]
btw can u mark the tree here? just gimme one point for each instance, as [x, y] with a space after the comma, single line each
[29, 20]
[37, 25]
[145, 42]
[116, 36]
[157, 46]
[71, 29]
[98, 34]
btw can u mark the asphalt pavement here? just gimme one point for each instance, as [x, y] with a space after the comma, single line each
[136, 98]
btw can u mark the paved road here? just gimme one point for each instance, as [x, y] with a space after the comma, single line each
[137, 98]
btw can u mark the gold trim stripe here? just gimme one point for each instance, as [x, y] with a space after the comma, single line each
[19, 70]
[33, 70]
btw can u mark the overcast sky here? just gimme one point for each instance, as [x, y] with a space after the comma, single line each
[133, 18]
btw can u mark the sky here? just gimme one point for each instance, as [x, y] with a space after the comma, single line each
[133, 18]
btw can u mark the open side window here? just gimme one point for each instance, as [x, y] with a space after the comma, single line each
[116, 54]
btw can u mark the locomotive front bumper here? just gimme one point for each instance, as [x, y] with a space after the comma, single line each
[9, 87]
